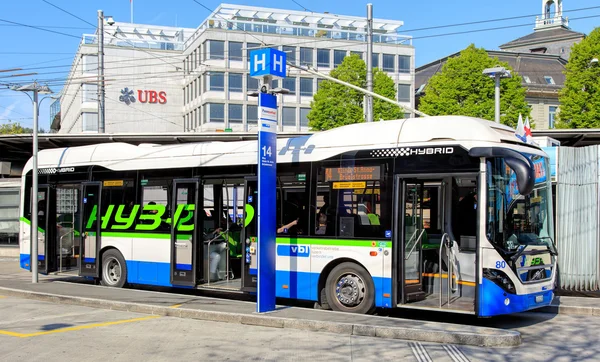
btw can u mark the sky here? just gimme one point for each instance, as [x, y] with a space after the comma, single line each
[35, 50]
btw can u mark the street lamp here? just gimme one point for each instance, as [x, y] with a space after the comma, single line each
[594, 61]
[497, 73]
[35, 88]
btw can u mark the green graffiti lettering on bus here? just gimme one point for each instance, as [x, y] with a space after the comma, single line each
[249, 214]
[151, 217]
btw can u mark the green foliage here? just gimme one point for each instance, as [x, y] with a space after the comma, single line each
[580, 98]
[336, 105]
[461, 88]
[13, 128]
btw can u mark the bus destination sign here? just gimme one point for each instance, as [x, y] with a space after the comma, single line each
[360, 173]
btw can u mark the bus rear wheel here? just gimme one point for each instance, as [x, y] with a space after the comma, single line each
[349, 288]
[114, 269]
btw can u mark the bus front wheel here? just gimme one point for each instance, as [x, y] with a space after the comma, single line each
[114, 269]
[349, 288]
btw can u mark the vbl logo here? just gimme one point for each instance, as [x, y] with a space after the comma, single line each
[302, 251]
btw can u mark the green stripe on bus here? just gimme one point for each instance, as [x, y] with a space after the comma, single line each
[143, 235]
[26, 221]
[336, 242]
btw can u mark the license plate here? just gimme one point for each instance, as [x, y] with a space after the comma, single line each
[539, 298]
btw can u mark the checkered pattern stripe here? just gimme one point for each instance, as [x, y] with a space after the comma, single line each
[391, 152]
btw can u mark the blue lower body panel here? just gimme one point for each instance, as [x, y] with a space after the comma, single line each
[288, 284]
[492, 300]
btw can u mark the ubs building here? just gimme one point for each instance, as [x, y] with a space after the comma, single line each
[165, 79]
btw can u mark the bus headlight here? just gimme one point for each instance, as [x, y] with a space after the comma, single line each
[500, 279]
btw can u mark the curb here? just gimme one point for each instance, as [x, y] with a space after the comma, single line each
[507, 339]
[570, 310]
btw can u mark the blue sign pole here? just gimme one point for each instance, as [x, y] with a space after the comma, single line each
[267, 202]
[267, 64]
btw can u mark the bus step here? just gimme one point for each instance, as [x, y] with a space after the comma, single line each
[415, 296]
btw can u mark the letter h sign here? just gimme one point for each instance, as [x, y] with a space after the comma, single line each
[265, 62]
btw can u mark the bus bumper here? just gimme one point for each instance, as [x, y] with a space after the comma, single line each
[495, 301]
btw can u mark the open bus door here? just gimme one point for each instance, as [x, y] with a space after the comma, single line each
[250, 235]
[410, 234]
[185, 227]
[90, 224]
[46, 258]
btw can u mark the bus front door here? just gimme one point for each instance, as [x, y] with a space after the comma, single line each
[250, 235]
[46, 257]
[184, 232]
[90, 224]
[410, 211]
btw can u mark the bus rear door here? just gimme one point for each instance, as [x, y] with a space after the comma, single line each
[46, 239]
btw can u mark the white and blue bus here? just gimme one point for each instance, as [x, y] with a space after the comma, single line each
[442, 213]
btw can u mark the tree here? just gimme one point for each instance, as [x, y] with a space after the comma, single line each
[336, 105]
[12, 128]
[580, 97]
[461, 88]
[16, 128]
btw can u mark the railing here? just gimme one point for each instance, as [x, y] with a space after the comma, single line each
[415, 244]
[310, 30]
[134, 43]
[446, 242]
[60, 253]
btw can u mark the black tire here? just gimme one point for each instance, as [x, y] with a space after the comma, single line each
[114, 269]
[349, 288]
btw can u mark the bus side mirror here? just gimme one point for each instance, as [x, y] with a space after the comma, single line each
[521, 165]
[524, 172]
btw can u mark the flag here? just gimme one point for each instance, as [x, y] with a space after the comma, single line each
[520, 131]
[528, 134]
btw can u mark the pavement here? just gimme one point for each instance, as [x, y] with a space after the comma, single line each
[62, 289]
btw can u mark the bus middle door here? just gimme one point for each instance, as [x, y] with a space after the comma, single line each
[250, 236]
[184, 232]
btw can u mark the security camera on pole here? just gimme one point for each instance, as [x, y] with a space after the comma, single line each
[267, 64]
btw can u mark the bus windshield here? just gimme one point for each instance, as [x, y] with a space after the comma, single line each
[515, 220]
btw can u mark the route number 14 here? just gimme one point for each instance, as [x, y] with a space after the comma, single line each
[267, 151]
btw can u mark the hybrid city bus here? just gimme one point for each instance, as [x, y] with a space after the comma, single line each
[442, 213]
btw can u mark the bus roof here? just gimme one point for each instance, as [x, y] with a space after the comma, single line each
[427, 131]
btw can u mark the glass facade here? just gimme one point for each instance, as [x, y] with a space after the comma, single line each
[388, 63]
[403, 64]
[323, 58]
[252, 83]
[290, 84]
[89, 122]
[404, 92]
[304, 117]
[215, 81]
[289, 116]
[235, 51]
[252, 114]
[375, 61]
[235, 113]
[215, 112]
[235, 83]
[338, 57]
[306, 56]
[306, 87]
[216, 49]
[290, 53]
[552, 116]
